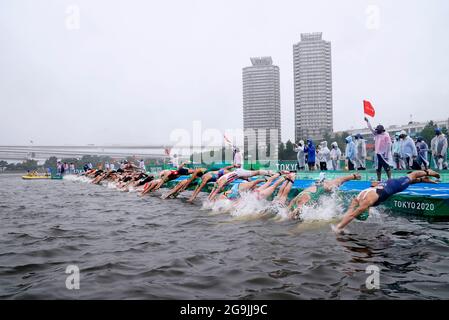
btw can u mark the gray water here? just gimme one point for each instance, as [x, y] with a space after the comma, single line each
[129, 247]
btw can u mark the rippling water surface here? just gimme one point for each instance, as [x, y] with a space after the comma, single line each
[129, 247]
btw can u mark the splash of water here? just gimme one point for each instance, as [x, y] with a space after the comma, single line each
[218, 206]
[329, 207]
[249, 206]
[77, 178]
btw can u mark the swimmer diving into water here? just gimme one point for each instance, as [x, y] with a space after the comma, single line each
[381, 192]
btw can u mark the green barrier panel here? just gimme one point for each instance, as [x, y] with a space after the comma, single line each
[366, 175]
[415, 205]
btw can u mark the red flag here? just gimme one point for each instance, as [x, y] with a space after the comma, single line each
[368, 108]
[227, 140]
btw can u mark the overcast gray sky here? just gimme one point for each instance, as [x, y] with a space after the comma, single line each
[135, 70]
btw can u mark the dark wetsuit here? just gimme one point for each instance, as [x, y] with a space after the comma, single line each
[98, 173]
[126, 179]
[390, 188]
[145, 180]
[183, 171]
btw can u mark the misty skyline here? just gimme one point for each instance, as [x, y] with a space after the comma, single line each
[134, 71]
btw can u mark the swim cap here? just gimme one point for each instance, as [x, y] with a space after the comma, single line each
[321, 177]
[220, 172]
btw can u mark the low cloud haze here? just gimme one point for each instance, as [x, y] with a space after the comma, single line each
[136, 70]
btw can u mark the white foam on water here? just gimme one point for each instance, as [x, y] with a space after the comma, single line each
[111, 185]
[77, 178]
[218, 206]
[328, 208]
[375, 215]
[281, 212]
[249, 205]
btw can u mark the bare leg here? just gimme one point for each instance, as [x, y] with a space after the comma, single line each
[282, 197]
[249, 185]
[335, 183]
[269, 182]
[415, 175]
[266, 192]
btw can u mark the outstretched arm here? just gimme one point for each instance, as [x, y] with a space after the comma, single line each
[182, 165]
[198, 188]
[369, 126]
[356, 208]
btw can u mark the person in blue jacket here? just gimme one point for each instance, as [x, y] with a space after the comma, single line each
[311, 153]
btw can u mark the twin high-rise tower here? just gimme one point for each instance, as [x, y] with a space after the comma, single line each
[261, 101]
[312, 71]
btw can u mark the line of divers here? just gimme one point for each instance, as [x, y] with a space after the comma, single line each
[265, 183]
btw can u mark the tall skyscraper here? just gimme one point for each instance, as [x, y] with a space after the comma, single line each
[313, 87]
[261, 99]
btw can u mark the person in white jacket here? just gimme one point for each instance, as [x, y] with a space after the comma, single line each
[301, 156]
[408, 151]
[396, 151]
[360, 153]
[324, 156]
[335, 155]
[438, 146]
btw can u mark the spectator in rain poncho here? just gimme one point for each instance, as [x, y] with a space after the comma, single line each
[350, 153]
[423, 149]
[382, 148]
[301, 155]
[396, 150]
[310, 150]
[335, 156]
[324, 155]
[408, 151]
[142, 165]
[360, 154]
[438, 145]
[237, 157]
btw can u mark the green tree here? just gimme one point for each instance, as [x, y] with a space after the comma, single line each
[341, 139]
[281, 151]
[50, 162]
[23, 166]
[428, 132]
[327, 137]
[289, 153]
